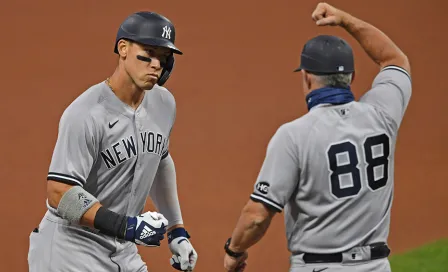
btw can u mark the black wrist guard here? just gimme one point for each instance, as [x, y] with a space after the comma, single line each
[230, 252]
[110, 223]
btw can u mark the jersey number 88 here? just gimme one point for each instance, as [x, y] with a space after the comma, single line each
[352, 166]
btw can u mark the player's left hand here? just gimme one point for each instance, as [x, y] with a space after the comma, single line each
[232, 264]
[184, 256]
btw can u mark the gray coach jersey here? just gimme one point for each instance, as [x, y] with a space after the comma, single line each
[332, 170]
[112, 150]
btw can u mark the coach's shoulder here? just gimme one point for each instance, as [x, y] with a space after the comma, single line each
[290, 128]
[303, 123]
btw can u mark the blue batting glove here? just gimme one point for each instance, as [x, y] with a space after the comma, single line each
[146, 229]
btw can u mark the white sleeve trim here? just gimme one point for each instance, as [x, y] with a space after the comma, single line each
[267, 201]
[62, 177]
[398, 68]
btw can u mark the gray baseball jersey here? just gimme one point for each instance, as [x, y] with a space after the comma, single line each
[332, 170]
[112, 150]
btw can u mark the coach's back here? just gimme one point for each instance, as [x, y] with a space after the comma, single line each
[346, 157]
[343, 159]
[332, 170]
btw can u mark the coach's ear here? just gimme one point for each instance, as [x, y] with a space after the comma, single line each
[307, 80]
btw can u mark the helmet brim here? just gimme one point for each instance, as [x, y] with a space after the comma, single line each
[153, 42]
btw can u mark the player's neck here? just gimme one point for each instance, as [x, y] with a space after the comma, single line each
[125, 89]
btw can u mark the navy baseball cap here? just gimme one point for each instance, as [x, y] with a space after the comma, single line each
[326, 54]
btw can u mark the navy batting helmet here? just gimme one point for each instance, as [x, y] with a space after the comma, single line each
[150, 28]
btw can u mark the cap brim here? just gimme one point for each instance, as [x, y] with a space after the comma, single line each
[298, 70]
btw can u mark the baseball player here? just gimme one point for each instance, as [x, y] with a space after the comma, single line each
[332, 170]
[112, 151]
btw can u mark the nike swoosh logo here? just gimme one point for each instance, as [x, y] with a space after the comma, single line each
[113, 124]
[319, 270]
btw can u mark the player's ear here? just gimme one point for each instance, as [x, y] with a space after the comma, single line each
[353, 78]
[123, 47]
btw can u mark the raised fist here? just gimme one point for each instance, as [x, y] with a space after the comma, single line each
[327, 15]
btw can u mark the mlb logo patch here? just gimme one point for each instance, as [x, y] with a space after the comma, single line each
[344, 111]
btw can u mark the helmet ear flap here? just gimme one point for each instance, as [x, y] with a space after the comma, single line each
[166, 72]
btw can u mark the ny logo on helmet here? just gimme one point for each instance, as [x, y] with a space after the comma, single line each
[166, 32]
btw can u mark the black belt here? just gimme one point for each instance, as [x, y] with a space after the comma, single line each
[377, 251]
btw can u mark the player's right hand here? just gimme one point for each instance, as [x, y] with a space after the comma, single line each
[327, 15]
[146, 229]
